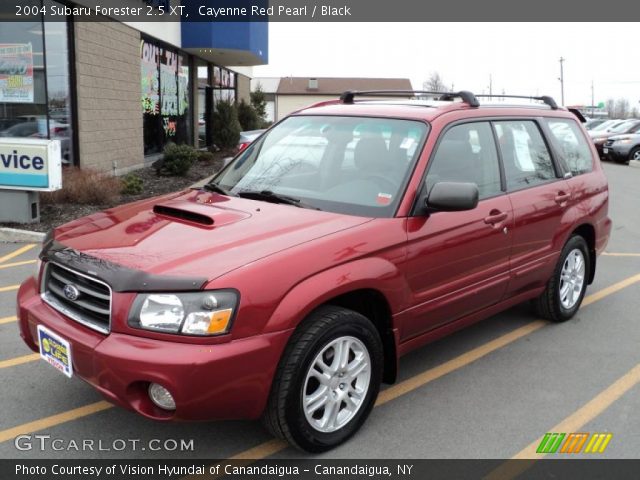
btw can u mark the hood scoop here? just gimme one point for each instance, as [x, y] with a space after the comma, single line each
[198, 214]
[186, 215]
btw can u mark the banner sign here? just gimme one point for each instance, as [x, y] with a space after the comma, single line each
[30, 164]
[16, 73]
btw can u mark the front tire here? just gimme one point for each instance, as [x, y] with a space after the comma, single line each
[634, 155]
[327, 381]
[565, 290]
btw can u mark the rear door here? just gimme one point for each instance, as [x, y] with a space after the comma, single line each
[539, 198]
[458, 262]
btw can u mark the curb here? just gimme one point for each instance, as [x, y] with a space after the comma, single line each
[13, 235]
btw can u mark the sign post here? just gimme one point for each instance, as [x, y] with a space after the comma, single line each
[27, 166]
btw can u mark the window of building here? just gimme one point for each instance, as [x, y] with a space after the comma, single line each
[224, 85]
[526, 159]
[571, 145]
[467, 153]
[35, 92]
[166, 94]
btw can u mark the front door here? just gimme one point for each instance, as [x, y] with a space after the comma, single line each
[458, 262]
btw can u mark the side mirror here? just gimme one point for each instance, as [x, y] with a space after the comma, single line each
[452, 197]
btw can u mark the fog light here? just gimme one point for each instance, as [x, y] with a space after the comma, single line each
[161, 397]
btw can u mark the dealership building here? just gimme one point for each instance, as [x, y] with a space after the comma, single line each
[115, 93]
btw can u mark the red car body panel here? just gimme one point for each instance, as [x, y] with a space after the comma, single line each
[436, 273]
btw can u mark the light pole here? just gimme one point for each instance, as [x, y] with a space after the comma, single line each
[592, 100]
[561, 80]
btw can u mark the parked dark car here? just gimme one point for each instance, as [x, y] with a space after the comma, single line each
[600, 138]
[346, 236]
[622, 148]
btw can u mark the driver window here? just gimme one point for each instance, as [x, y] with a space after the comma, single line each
[467, 153]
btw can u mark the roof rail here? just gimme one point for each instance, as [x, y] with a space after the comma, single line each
[467, 97]
[545, 98]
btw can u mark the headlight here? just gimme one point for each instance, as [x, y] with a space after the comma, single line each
[599, 140]
[198, 313]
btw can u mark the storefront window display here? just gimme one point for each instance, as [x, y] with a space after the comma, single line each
[166, 96]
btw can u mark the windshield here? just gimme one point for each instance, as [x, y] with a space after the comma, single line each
[623, 127]
[602, 126]
[350, 165]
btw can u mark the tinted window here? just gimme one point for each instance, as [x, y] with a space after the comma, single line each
[571, 145]
[526, 159]
[467, 153]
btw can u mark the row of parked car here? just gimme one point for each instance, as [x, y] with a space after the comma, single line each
[616, 140]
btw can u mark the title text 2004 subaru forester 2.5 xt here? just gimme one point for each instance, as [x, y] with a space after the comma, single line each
[345, 236]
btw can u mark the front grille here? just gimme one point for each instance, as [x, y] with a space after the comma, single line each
[80, 297]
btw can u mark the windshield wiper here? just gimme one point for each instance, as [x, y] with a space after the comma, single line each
[214, 187]
[269, 196]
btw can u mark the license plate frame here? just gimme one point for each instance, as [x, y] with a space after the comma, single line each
[55, 350]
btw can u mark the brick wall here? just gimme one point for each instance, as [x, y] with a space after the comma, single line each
[108, 83]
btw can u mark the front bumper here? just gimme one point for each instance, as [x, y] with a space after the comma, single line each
[617, 152]
[208, 382]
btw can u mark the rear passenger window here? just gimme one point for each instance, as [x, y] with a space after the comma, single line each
[526, 159]
[571, 145]
[467, 153]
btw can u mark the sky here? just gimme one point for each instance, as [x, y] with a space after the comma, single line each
[520, 58]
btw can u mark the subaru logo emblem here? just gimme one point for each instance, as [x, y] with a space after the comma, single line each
[71, 292]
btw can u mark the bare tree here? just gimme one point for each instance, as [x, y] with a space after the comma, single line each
[622, 108]
[610, 107]
[634, 112]
[435, 83]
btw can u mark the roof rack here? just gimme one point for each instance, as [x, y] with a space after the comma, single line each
[545, 98]
[467, 97]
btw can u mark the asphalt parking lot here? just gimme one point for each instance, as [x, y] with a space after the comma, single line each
[491, 391]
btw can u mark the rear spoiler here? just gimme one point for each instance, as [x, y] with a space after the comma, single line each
[578, 114]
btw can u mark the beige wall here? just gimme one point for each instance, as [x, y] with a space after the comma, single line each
[285, 104]
[108, 79]
[244, 88]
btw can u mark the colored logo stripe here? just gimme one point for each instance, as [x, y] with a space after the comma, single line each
[598, 443]
[550, 443]
[574, 442]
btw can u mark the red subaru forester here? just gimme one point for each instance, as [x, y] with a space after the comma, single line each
[345, 236]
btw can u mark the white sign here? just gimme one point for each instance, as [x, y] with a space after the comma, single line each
[30, 164]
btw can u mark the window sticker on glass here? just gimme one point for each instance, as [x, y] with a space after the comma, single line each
[384, 199]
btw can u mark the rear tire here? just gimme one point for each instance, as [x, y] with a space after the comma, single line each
[307, 377]
[565, 290]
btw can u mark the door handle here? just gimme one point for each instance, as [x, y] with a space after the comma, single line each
[495, 216]
[562, 197]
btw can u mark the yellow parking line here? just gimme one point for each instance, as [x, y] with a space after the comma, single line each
[10, 288]
[458, 362]
[17, 264]
[605, 292]
[17, 252]
[573, 423]
[12, 362]
[53, 420]
[261, 451]
[7, 320]
[271, 447]
[621, 254]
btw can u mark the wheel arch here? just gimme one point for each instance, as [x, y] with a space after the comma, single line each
[375, 289]
[588, 232]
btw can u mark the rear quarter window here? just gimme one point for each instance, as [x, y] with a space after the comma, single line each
[571, 145]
